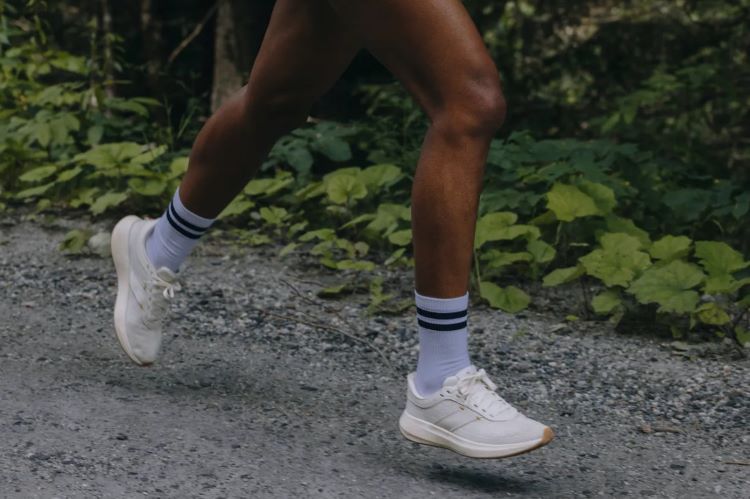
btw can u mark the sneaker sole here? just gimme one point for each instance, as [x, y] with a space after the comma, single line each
[423, 432]
[121, 257]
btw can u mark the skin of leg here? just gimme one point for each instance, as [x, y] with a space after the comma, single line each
[304, 51]
[435, 50]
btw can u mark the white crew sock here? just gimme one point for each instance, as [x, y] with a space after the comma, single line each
[175, 234]
[443, 338]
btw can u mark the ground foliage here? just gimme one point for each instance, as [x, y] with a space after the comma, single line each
[627, 171]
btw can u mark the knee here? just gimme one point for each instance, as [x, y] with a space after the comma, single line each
[478, 110]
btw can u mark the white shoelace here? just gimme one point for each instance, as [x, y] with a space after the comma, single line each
[479, 391]
[159, 291]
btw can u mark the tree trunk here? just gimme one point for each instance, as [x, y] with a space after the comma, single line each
[240, 26]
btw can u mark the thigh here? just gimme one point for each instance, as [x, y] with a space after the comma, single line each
[431, 46]
[304, 51]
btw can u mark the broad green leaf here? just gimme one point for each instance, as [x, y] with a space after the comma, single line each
[562, 276]
[274, 215]
[723, 284]
[719, 258]
[742, 335]
[618, 261]
[541, 251]
[357, 220]
[670, 248]
[34, 191]
[567, 202]
[39, 173]
[178, 167]
[288, 249]
[267, 186]
[149, 155]
[712, 313]
[355, 265]
[490, 227]
[497, 259]
[74, 241]
[394, 256]
[670, 286]
[342, 189]
[69, 174]
[606, 301]
[400, 237]
[110, 155]
[109, 200]
[335, 290]
[603, 196]
[509, 299]
[94, 134]
[147, 187]
[238, 206]
[387, 217]
[320, 234]
[379, 175]
[334, 148]
[619, 224]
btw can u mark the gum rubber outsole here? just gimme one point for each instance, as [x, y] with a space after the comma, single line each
[120, 256]
[464, 448]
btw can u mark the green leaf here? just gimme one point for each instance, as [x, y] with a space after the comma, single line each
[74, 241]
[719, 258]
[742, 335]
[606, 301]
[355, 265]
[267, 186]
[713, 314]
[94, 134]
[320, 234]
[332, 291]
[288, 249]
[147, 187]
[509, 299]
[670, 286]
[110, 155]
[618, 261]
[541, 251]
[497, 259]
[562, 276]
[341, 189]
[34, 191]
[387, 217]
[334, 148]
[400, 237]
[149, 155]
[394, 256]
[238, 206]
[274, 215]
[178, 167]
[379, 175]
[619, 224]
[603, 196]
[39, 173]
[670, 248]
[67, 175]
[490, 227]
[567, 202]
[109, 200]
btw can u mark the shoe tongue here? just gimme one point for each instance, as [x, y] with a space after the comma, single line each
[452, 380]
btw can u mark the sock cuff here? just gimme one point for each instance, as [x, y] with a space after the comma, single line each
[455, 304]
[188, 215]
[185, 221]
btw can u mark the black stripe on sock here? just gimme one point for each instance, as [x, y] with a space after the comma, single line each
[441, 315]
[185, 222]
[441, 327]
[180, 229]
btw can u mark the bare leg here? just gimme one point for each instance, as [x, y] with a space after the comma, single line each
[435, 50]
[305, 49]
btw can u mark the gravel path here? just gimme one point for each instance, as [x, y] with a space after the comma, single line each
[252, 399]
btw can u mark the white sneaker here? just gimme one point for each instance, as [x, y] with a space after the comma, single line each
[467, 416]
[142, 291]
